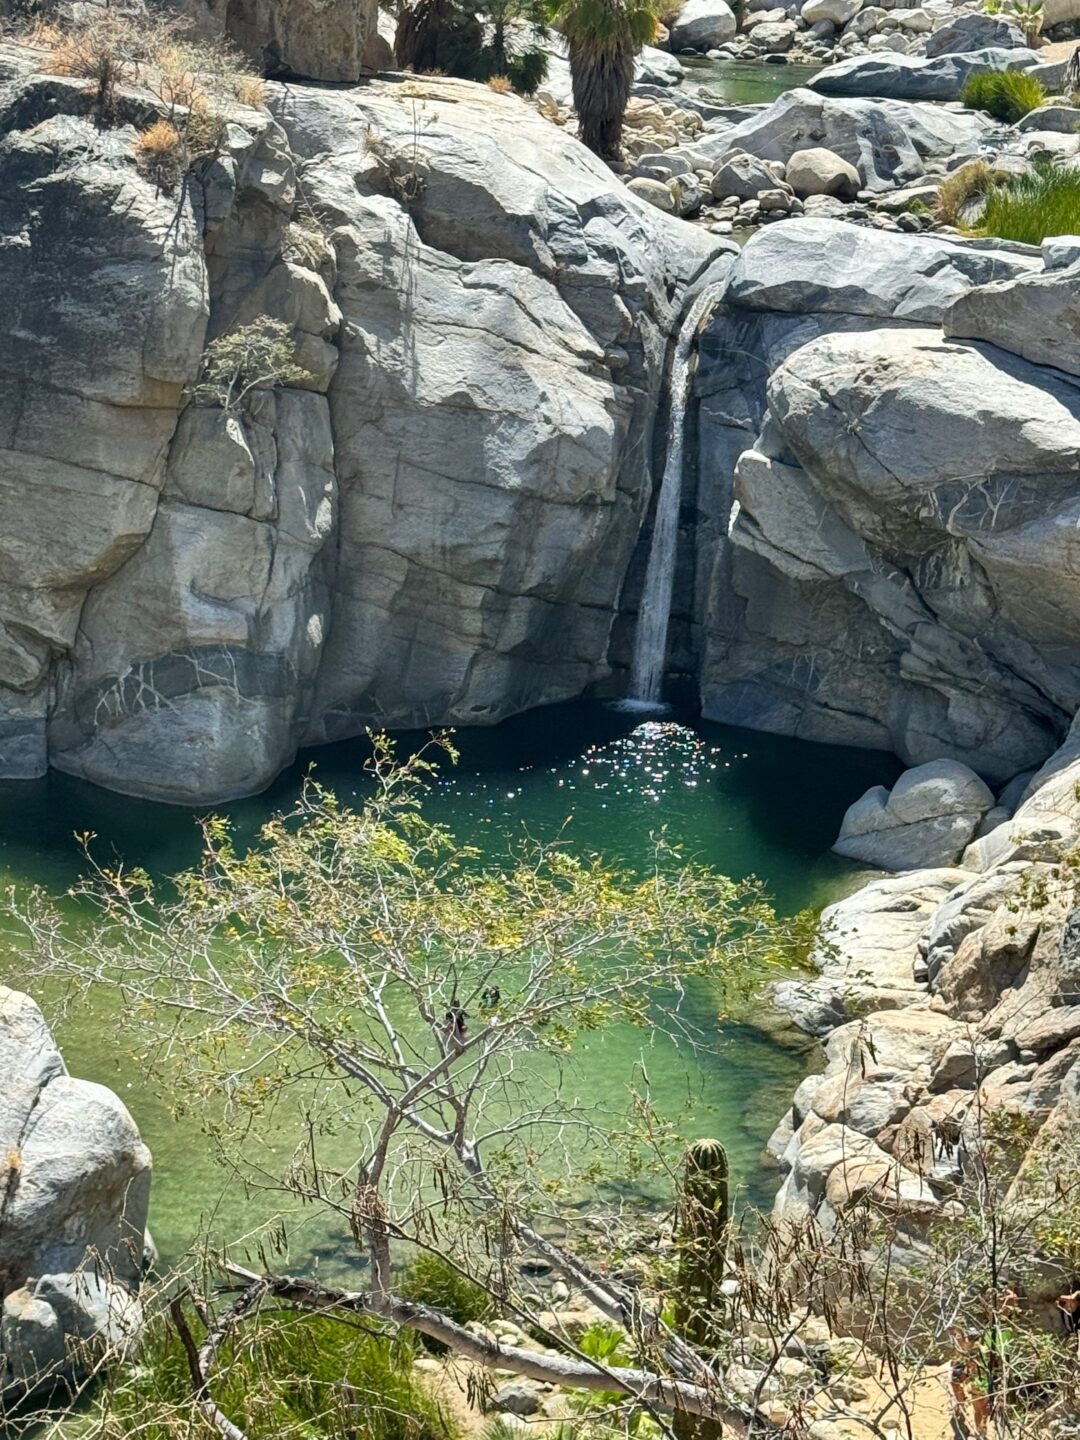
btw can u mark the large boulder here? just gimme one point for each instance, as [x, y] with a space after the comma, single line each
[926, 820]
[811, 266]
[870, 943]
[822, 172]
[702, 25]
[76, 1181]
[893, 76]
[1036, 315]
[973, 30]
[838, 12]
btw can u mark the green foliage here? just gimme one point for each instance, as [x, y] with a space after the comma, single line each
[605, 1342]
[1043, 201]
[433, 1281]
[1007, 95]
[1028, 17]
[257, 356]
[308, 1377]
[476, 40]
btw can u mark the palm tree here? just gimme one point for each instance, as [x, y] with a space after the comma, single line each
[604, 36]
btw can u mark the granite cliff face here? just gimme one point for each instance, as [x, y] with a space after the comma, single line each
[901, 506]
[434, 527]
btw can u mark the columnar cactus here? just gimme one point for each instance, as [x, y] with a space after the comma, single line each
[703, 1217]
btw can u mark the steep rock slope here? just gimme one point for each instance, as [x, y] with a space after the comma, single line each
[433, 527]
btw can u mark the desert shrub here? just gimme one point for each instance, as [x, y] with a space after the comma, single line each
[133, 44]
[257, 356]
[108, 45]
[305, 240]
[431, 1280]
[1043, 201]
[1007, 95]
[160, 153]
[304, 1376]
[500, 84]
[958, 190]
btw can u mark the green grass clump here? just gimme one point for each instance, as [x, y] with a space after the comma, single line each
[296, 1377]
[1007, 95]
[433, 1281]
[1043, 201]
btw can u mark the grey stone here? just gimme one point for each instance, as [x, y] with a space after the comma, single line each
[816, 547]
[517, 1397]
[973, 31]
[1060, 251]
[1035, 315]
[822, 265]
[927, 820]
[324, 41]
[741, 177]
[913, 77]
[1055, 116]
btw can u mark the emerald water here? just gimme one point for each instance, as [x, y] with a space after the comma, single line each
[740, 802]
[743, 82]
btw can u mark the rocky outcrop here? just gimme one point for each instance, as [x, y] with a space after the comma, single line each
[888, 141]
[432, 527]
[74, 1192]
[887, 580]
[945, 995]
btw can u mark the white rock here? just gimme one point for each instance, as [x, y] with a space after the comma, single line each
[821, 172]
[703, 25]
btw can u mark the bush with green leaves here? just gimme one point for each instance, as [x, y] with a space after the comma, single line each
[257, 356]
[433, 1281]
[1007, 95]
[1043, 201]
[307, 1376]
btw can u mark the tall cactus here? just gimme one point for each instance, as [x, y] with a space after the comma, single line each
[703, 1218]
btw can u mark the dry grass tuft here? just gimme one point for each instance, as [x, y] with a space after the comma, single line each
[500, 84]
[161, 153]
[958, 192]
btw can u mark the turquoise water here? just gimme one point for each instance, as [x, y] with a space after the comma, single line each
[743, 82]
[740, 802]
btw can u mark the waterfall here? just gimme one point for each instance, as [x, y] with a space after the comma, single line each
[654, 613]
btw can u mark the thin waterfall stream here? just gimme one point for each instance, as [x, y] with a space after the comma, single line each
[654, 613]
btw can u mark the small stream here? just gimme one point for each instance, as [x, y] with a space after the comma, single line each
[738, 801]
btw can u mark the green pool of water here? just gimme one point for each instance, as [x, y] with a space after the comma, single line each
[743, 82]
[740, 802]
